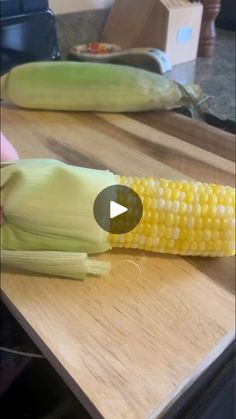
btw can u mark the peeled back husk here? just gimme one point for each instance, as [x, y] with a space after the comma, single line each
[48, 215]
[63, 264]
[48, 205]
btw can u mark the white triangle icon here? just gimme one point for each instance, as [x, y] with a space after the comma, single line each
[116, 209]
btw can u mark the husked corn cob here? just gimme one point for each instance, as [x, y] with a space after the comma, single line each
[48, 210]
[181, 217]
[91, 87]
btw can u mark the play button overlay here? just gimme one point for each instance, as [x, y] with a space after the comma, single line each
[118, 209]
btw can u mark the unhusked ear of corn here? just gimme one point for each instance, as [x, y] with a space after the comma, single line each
[74, 86]
[48, 209]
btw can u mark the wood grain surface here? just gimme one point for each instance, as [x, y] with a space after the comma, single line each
[128, 343]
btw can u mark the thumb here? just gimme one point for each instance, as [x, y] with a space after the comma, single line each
[8, 152]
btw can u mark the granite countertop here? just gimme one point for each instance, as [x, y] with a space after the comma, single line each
[216, 74]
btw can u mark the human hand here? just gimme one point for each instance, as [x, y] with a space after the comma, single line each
[8, 153]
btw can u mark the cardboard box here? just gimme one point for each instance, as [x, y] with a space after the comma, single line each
[170, 25]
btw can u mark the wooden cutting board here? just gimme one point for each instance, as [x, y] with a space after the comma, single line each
[129, 343]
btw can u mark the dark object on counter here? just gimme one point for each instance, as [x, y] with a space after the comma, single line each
[30, 388]
[227, 16]
[211, 9]
[17, 7]
[13, 342]
[227, 125]
[202, 112]
[212, 395]
[28, 33]
[39, 393]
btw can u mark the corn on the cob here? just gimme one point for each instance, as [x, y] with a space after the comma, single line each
[91, 87]
[180, 217]
[48, 208]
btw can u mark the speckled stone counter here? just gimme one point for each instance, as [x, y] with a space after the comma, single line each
[79, 28]
[216, 74]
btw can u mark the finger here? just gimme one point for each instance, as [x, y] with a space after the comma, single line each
[8, 152]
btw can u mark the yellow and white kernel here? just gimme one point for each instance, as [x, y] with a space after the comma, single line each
[182, 217]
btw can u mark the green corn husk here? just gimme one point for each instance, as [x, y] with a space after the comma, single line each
[52, 206]
[64, 264]
[74, 86]
[48, 206]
